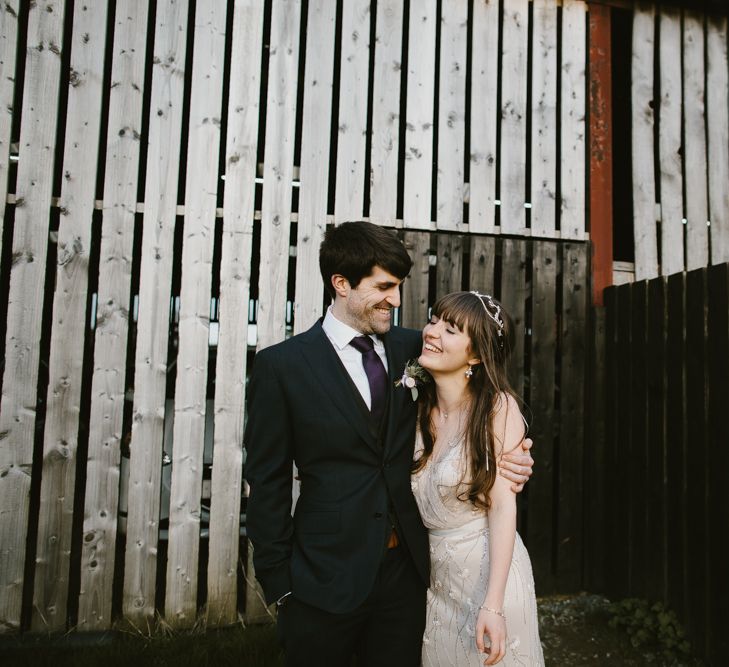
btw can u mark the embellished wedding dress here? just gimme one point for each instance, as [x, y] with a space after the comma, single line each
[459, 562]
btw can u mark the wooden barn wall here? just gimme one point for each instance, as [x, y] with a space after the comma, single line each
[680, 124]
[665, 503]
[167, 171]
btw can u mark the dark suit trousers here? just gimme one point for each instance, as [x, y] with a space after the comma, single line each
[385, 630]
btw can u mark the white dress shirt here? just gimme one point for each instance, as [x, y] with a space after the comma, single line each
[340, 334]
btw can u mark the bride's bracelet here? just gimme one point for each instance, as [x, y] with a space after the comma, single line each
[498, 612]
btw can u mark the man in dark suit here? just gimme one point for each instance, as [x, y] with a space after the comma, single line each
[350, 568]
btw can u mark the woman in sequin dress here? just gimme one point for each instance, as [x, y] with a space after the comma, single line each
[481, 601]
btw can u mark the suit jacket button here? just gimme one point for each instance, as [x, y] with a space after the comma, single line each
[377, 515]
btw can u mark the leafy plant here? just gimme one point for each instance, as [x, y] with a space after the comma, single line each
[650, 624]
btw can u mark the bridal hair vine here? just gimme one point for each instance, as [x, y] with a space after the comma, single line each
[496, 315]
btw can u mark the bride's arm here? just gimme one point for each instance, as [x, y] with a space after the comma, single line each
[508, 429]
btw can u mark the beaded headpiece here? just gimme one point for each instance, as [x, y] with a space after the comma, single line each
[496, 314]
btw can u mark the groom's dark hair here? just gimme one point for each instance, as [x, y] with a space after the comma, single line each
[353, 249]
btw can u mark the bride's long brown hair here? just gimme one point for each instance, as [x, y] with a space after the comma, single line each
[485, 388]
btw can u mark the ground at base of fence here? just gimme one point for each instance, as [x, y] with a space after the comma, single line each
[575, 631]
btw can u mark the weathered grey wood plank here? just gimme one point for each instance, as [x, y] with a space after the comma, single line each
[386, 112]
[8, 52]
[694, 113]
[278, 171]
[201, 191]
[417, 194]
[235, 268]
[544, 118]
[572, 120]
[717, 118]
[669, 143]
[484, 81]
[65, 365]
[25, 299]
[644, 189]
[451, 114]
[352, 124]
[150, 375]
[513, 116]
[101, 500]
[314, 170]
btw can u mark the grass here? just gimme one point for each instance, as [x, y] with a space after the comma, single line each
[253, 646]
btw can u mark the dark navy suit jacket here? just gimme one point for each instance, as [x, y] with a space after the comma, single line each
[303, 407]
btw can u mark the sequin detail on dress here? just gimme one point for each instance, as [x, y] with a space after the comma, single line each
[459, 569]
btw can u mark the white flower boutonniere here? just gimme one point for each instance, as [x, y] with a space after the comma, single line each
[413, 376]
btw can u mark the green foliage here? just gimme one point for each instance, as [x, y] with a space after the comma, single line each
[650, 624]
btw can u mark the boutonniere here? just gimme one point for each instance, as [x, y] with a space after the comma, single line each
[413, 376]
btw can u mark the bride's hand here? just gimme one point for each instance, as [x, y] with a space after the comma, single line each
[494, 626]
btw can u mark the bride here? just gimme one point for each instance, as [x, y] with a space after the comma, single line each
[481, 598]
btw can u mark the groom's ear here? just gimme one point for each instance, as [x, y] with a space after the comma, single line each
[340, 284]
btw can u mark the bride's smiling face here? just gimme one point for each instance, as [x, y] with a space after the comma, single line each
[446, 349]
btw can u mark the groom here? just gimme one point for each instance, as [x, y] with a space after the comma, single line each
[349, 570]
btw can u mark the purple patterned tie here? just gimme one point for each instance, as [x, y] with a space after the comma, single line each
[376, 374]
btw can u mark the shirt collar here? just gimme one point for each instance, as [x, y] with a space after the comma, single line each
[340, 333]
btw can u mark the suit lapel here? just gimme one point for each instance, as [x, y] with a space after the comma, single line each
[328, 369]
[398, 396]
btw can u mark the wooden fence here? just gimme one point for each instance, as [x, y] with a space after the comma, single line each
[680, 124]
[664, 499]
[161, 209]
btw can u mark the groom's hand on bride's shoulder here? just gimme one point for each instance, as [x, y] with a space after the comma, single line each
[517, 466]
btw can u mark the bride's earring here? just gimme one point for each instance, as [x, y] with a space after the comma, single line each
[469, 372]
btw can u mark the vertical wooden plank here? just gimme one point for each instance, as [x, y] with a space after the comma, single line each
[314, 170]
[717, 119]
[419, 116]
[451, 114]
[544, 117]
[513, 116]
[615, 575]
[697, 457]
[482, 263]
[25, 300]
[8, 48]
[540, 529]
[450, 264]
[513, 298]
[415, 290]
[669, 143]
[676, 441]
[352, 125]
[637, 471]
[644, 191]
[63, 405]
[278, 170]
[150, 375]
[575, 260]
[484, 81]
[623, 416]
[386, 112]
[601, 151]
[201, 191]
[694, 112]
[718, 481]
[112, 317]
[235, 268]
[597, 460]
[655, 442]
[572, 119]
